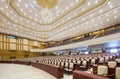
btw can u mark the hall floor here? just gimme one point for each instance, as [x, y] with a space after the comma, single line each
[15, 71]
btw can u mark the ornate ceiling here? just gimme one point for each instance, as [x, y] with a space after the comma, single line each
[55, 20]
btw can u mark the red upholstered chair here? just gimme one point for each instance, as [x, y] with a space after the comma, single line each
[112, 63]
[84, 64]
[71, 66]
[101, 60]
[62, 64]
[117, 73]
[102, 70]
[66, 66]
[106, 58]
[93, 61]
[79, 62]
[118, 60]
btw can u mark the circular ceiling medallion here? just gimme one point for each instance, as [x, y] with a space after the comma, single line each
[47, 3]
[46, 14]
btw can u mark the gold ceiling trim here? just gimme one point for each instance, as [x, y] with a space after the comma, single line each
[69, 11]
[47, 3]
[84, 12]
[2, 26]
[1, 20]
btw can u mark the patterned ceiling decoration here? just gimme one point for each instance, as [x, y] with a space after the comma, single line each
[47, 3]
[56, 20]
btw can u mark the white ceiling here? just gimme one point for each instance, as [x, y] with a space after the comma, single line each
[69, 18]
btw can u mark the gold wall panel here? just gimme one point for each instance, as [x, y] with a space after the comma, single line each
[5, 55]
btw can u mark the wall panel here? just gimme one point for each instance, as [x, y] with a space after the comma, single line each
[25, 41]
[12, 46]
[25, 48]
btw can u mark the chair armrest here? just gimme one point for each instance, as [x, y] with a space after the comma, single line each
[111, 76]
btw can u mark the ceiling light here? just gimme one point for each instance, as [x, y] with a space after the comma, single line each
[62, 11]
[109, 3]
[12, 18]
[24, 13]
[11, 11]
[34, 2]
[69, 17]
[30, 11]
[3, 0]
[6, 6]
[71, 4]
[108, 19]
[56, 7]
[7, 13]
[57, 15]
[83, 19]
[35, 19]
[101, 22]
[8, 23]
[115, 11]
[77, 0]
[110, 6]
[1, 8]
[88, 3]
[21, 10]
[40, 21]
[15, 15]
[19, 0]
[75, 14]
[35, 14]
[15, 21]
[87, 23]
[96, 1]
[53, 17]
[95, 24]
[70, 24]
[21, 19]
[18, 4]
[66, 8]
[83, 9]
[115, 17]
[91, 15]
[100, 11]
[106, 14]
[26, 5]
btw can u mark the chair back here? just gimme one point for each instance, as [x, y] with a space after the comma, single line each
[117, 73]
[102, 70]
